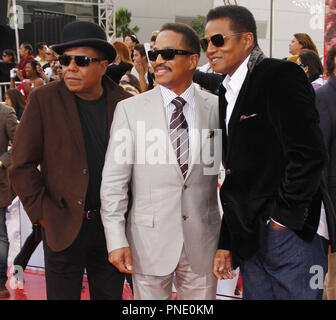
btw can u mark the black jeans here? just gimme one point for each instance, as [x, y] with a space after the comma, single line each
[64, 270]
[29, 247]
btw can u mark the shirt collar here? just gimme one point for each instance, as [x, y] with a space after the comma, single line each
[236, 81]
[168, 95]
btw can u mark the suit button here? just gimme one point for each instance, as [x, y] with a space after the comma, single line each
[80, 202]
[184, 187]
[228, 172]
[185, 218]
[85, 171]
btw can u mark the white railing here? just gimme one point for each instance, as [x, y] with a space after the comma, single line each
[4, 86]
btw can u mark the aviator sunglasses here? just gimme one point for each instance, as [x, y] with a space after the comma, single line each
[167, 54]
[81, 61]
[217, 40]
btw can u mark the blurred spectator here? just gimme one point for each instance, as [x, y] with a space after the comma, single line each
[140, 69]
[41, 53]
[130, 83]
[205, 68]
[32, 81]
[131, 41]
[57, 71]
[122, 62]
[311, 64]
[14, 99]
[52, 59]
[6, 64]
[293, 58]
[8, 124]
[301, 41]
[325, 104]
[153, 38]
[26, 54]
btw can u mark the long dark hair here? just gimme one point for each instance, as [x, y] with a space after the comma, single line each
[310, 59]
[133, 81]
[34, 64]
[10, 53]
[17, 100]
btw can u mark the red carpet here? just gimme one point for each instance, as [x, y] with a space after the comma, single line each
[34, 288]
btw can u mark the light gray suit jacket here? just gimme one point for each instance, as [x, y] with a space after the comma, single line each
[167, 211]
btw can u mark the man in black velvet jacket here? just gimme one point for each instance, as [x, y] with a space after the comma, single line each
[274, 155]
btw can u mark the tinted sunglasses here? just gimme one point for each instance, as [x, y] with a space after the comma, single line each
[81, 61]
[167, 54]
[123, 82]
[217, 40]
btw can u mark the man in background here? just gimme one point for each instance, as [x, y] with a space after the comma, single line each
[8, 124]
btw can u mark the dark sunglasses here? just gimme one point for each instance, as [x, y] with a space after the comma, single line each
[81, 61]
[167, 54]
[123, 82]
[217, 40]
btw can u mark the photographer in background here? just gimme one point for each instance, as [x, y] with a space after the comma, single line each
[32, 80]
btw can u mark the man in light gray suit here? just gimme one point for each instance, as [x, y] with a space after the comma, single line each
[161, 145]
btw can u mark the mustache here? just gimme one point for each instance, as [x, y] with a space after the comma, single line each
[162, 66]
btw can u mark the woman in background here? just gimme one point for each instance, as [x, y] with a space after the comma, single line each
[311, 64]
[300, 42]
[122, 63]
[7, 63]
[130, 83]
[33, 78]
[14, 99]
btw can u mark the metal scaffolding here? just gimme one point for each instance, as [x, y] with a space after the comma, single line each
[106, 18]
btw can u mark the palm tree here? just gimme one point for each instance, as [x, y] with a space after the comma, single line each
[198, 25]
[123, 19]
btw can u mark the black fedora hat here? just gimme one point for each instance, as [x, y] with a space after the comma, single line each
[85, 34]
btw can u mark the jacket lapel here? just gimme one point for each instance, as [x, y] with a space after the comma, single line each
[237, 112]
[112, 99]
[202, 115]
[72, 118]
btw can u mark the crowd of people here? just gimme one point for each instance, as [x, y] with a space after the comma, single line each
[161, 223]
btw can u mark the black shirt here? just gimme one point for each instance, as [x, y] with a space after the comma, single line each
[93, 117]
[5, 70]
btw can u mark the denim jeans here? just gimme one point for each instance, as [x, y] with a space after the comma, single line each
[285, 268]
[4, 246]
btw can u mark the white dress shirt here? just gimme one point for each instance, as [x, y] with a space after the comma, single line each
[233, 85]
[188, 109]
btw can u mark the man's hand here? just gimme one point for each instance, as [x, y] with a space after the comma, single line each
[141, 68]
[121, 259]
[222, 265]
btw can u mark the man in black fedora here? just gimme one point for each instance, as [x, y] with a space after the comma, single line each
[65, 131]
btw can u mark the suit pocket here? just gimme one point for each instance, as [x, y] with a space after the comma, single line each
[143, 220]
